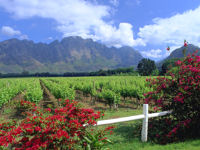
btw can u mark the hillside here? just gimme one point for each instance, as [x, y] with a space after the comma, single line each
[71, 54]
[178, 53]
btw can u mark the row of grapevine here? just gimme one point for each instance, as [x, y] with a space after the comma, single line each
[10, 89]
[4, 83]
[127, 86]
[34, 93]
[60, 90]
[110, 89]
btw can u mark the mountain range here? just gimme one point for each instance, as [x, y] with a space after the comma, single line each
[71, 54]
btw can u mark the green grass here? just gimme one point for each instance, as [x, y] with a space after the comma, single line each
[7, 111]
[127, 135]
[109, 114]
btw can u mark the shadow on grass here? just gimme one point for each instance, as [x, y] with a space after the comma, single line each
[128, 136]
[128, 132]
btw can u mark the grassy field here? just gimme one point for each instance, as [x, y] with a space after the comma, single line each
[126, 135]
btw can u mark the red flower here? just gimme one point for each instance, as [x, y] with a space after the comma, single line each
[56, 130]
[185, 43]
[178, 62]
[48, 109]
[109, 128]
[168, 48]
[37, 129]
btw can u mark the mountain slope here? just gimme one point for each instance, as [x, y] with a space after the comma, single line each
[178, 53]
[72, 54]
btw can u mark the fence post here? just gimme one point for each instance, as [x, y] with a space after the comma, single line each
[145, 123]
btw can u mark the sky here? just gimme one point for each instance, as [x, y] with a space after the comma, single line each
[148, 26]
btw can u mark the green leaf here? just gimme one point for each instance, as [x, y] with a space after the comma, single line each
[88, 147]
[88, 140]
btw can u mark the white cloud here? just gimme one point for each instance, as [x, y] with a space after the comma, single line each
[23, 37]
[75, 17]
[114, 2]
[172, 31]
[158, 53]
[153, 53]
[8, 31]
[115, 36]
[172, 48]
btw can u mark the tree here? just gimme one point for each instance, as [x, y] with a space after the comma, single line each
[25, 72]
[155, 72]
[168, 64]
[146, 66]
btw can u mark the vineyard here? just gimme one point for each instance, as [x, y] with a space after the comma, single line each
[109, 90]
[103, 93]
[9, 88]
[50, 108]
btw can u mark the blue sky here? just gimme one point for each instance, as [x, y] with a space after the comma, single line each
[148, 26]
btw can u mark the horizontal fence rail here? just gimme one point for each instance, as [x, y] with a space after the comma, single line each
[131, 118]
[159, 114]
[117, 120]
[144, 116]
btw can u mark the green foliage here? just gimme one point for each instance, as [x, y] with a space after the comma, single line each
[155, 72]
[34, 92]
[173, 70]
[168, 64]
[9, 88]
[118, 71]
[60, 89]
[94, 139]
[110, 89]
[146, 66]
[111, 97]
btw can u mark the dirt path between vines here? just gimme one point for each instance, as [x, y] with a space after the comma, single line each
[49, 101]
[20, 96]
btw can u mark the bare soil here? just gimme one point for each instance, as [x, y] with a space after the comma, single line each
[49, 101]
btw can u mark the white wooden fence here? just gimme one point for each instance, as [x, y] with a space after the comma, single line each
[144, 116]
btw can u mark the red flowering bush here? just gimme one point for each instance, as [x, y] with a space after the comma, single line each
[63, 128]
[180, 92]
[24, 105]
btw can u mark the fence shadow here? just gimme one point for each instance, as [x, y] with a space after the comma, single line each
[128, 131]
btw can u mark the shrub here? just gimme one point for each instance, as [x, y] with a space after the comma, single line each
[180, 92]
[62, 128]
